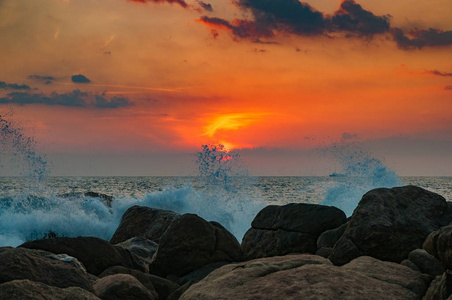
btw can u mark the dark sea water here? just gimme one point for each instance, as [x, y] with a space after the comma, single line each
[31, 209]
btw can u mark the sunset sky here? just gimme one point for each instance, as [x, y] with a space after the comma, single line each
[117, 87]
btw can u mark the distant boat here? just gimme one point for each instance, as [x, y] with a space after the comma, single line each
[337, 175]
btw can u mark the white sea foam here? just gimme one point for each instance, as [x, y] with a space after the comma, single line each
[360, 173]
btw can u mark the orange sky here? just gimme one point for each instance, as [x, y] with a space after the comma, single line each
[183, 85]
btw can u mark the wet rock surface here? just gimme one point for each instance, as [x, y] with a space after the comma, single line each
[292, 228]
[390, 223]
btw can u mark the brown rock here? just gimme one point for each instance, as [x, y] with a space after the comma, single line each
[304, 277]
[122, 287]
[41, 266]
[162, 286]
[440, 288]
[29, 290]
[390, 272]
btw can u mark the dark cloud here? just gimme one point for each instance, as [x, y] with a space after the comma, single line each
[258, 41]
[241, 28]
[80, 79]
[273, 17]
[180, 2]
[115, 102]
[295, 17]
[42, 79]
[76, 98]
[206, 6]
[290, 16]
[351, 17]
[422, 38]
[439, 73]
[13, 86]
[448, 87]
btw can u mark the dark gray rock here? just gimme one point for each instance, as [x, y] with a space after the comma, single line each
[147, 222]
[200, 273]
[292, 228]
[439, 244]
[408, 263]
[324, 252]
[330, 237]
[390, 223]
[141, 251]
[95, 254]
[189, 243]
[426, 262]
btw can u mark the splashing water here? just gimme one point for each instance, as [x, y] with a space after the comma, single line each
[19, 151]
[360, 173]
[217, 166]
[25, 216]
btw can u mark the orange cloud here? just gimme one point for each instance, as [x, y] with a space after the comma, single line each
[231, 122]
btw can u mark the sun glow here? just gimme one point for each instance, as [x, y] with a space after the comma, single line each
[231, 122]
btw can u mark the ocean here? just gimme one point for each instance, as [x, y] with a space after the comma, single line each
[31, 209]
[36, 204]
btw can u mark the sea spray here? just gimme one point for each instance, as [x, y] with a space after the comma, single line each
[215, 195]
[359, 173]
[19, 151]
[223, 197]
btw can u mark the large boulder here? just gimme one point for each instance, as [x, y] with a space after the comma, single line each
[41, 266]
[147, 222]
[308, 277]
[29, 290]
[191, 242]
[96, 254]
[122, 287]
[292, 228]
[389, 223]
[439, 244]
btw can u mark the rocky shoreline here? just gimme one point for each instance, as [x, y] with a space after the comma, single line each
[396, 245]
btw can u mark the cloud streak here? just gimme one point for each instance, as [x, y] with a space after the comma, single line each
[179, 2]
[42, 79]
[439, 73]
[13, 86]
[418, 39]
[76, 98]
